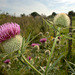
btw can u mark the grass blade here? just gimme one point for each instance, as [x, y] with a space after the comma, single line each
[70, 67]
[54, 64]
[23, 44]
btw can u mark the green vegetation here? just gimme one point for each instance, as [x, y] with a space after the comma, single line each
[30, 28]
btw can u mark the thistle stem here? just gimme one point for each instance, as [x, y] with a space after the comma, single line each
[52, 51]
[31, 65]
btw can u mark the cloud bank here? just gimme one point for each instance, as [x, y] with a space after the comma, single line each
[41, 6]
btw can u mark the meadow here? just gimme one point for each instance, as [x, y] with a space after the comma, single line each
[32, 30]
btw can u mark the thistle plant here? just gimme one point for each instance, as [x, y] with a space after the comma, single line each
[10, 38]
[60, 20]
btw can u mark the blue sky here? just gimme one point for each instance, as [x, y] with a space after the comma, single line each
[45, 7]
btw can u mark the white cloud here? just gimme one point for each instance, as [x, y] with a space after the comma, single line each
[41, 6]
[66, 1]
[19, 8]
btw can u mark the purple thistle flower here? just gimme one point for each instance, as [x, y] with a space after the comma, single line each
[43, 40]
[29, 58]
[8, 30]
[34, 44]
[7, 61]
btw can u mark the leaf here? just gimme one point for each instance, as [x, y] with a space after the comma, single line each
[54, 64]
[27, 41]
[70, 67]
[50, 24]
[68, 37]
[42, 68]
[72, 63]
[23, 44]
[28, 38]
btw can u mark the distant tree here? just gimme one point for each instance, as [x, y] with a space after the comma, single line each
[53, 14]
[34, 14]
[7, 13]
[71, 13]
[22, 15]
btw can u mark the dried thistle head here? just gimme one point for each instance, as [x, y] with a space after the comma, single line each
[61, 20]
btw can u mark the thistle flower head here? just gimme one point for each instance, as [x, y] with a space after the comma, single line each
[9, 37]
[43, 40]
[61, 20]
[8, 30]
[34, 44]
[7, 61]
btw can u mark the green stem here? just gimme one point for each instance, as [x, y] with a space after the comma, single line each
[52, 51]
[31, 65]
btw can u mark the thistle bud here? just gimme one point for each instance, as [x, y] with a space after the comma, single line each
[36, 48]
[15, 59]
[8, 66]
[58, 41]
[3, 66]
[47, 33]
[40, 33]
[73, 30]
[47, 52]
[61, 20]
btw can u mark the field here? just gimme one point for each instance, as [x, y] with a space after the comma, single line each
[32, 30]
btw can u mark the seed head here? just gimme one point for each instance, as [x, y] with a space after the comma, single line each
[61, 20]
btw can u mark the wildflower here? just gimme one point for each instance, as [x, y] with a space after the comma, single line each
[61, 20]
[29, 58]
[10, 37]
[8, 30]
[52, 37]
[34, 44]
[7, 61]
[43, 40]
